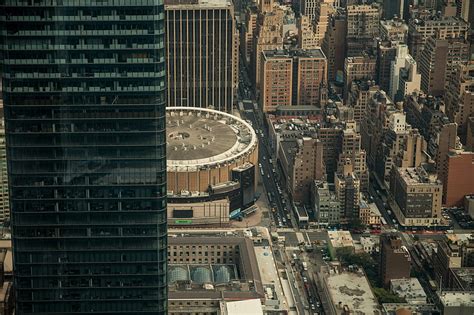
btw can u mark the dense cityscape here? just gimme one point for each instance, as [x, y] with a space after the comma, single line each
[246, 157]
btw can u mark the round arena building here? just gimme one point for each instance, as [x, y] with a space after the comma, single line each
[204, 146]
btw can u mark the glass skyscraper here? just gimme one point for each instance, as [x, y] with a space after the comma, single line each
[84, 98]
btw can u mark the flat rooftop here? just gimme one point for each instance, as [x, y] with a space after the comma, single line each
[198, 137]
[417, 176]
[340, 239]
[197, 3]
[285, 53]
[352, 289]
[456, 298]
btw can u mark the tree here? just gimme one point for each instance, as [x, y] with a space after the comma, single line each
[384, 296]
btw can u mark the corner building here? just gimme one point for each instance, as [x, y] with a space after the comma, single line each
[84, 93]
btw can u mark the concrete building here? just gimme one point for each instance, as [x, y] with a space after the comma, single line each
[349, 292]
[460, 97]
[309, 8]
[395, 260]
[202, 66]
[417, 195]
[438, 60]
[459, 181]
[324, 10]
[359, 68]
[448, 141]
[369, 214]
[277, 76]
[303, 161]
[469, 205]
[386, 54]
[400, 145]
[248, 32]
[376, 124]
[410, 289]
[470, 134]
[393, 8]
[362, 27]
[360, 94]
[422, 28]
[205, 271]
[394, 30]
[347, 187]
[338, 240]
[404, 76]
[203, 153]
[294, 77]
[265, 6]
[310, 77]
[307, 33]
[268, 36]
[334, 48]
[456, 303]
[370, 244]
[326, 205]
[351, 151]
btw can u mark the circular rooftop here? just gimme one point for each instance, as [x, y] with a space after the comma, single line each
[199, 137]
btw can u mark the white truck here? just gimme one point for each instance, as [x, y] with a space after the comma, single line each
[305, 266]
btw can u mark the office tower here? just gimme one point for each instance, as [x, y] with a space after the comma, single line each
[417, 193]
[395, 260]
[470, 134]
[333, 47]
[459, 181]
[447, 255]
[246, 176]
[265, 6]
[309, 8]
[269, 35]
[449, 8]
[362, 28]
[400, 145]
[306, 33]
[351, 151]
[202, 54]
[324, 10]
[4, 200]
[386, 53]
[447, 140]
[361, 92]
[392, 8]
[277, 75]
[460, 97]
[437, 62]
[359, 68]
[325, 203]
[419, 30]
[248, 31]
[294, 77]
[394, 30]
[84, 93]
[309, 77]
[306, 166]
[404, 76]
[347, 186]
[375, 123]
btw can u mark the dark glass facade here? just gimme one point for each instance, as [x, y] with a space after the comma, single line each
[84, 97]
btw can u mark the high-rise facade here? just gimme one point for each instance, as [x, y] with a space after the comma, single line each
[437, 63]
[202, 49]
[4, 200]
[84, 93]
[395, 261]
[362, 27]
